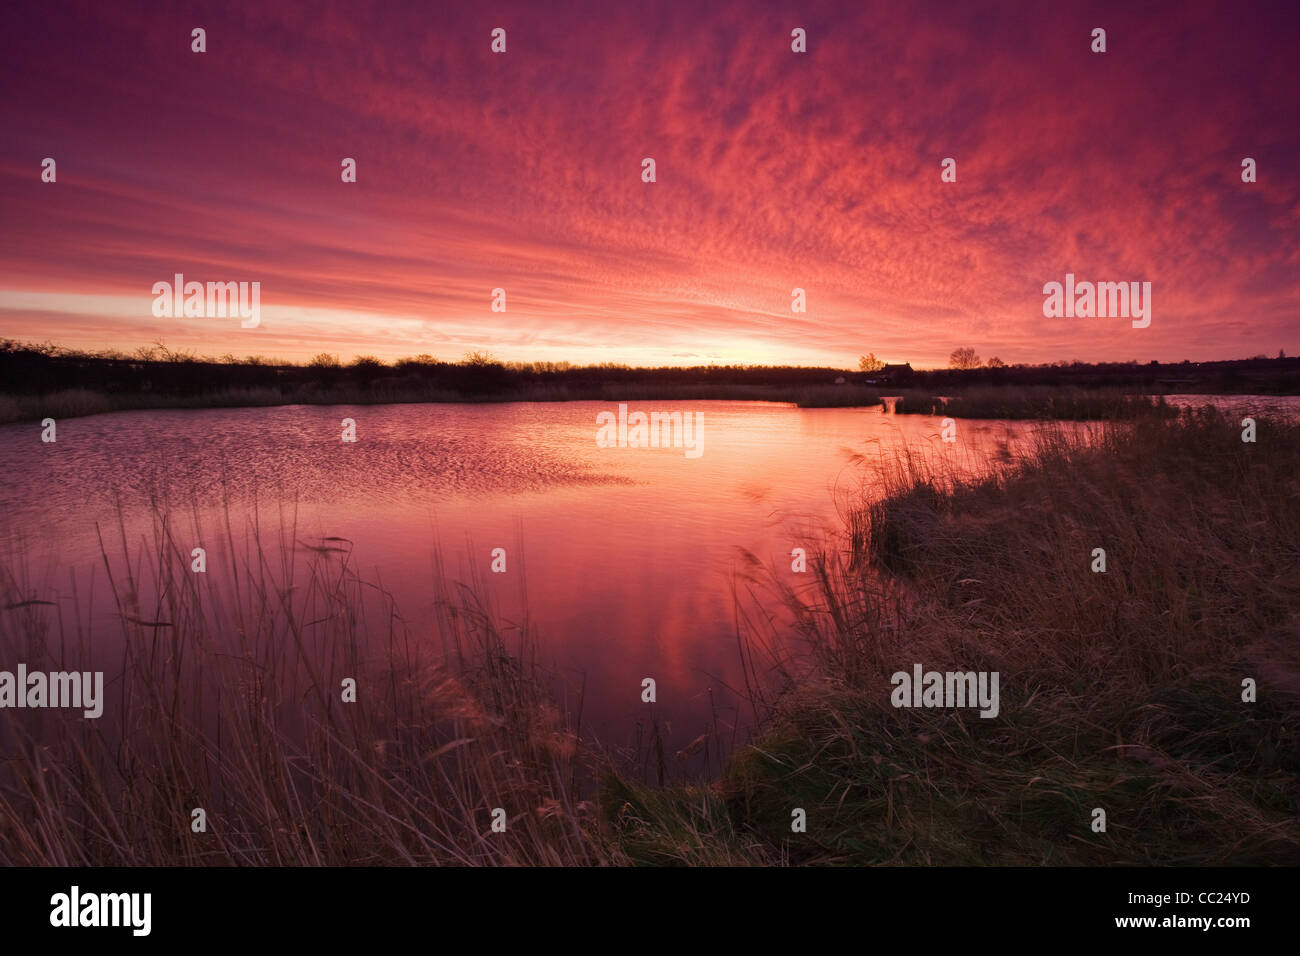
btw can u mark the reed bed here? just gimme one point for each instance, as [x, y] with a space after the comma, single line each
[990, 402]
[73, 403]
[1049, 403]
[1120, 690]
[230, 699]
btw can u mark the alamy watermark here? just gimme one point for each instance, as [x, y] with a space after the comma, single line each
[75, 908]
[215, 300]
[654, 430]
[1102, 300]
[84, 689]
[950, 689]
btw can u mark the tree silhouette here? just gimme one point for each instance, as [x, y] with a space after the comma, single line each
[365, 369]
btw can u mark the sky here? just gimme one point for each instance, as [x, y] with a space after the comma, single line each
[774, 170]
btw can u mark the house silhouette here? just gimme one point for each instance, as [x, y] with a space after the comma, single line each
[892, 375]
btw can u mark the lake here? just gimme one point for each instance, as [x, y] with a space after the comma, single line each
[624, 558]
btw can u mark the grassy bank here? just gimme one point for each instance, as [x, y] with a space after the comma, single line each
[1119, 690]
[73, 403]
[1035, 402]
[989, 403]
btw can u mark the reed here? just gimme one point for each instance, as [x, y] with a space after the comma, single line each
[1036, 402]
[229, 699]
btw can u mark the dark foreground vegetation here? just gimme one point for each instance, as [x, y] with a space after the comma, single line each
[1119, 690]
[1055, 403]
[41, 381]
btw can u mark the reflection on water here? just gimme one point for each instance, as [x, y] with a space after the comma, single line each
[626, 554]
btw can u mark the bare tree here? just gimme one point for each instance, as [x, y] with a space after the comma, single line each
[869, 363]
[996, 362]
[964, 357]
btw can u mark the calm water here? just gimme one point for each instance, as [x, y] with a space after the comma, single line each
[630, 553]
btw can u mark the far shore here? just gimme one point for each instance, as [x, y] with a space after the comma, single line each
[38, 382]
[988, 402]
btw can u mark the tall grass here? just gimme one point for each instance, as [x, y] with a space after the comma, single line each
[1038, 402]
[837, 396]
[230, 699]
[1120, 690]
